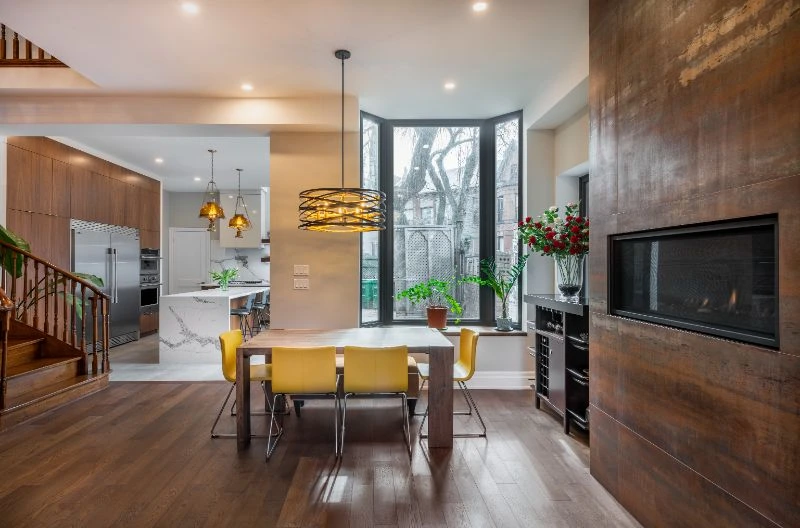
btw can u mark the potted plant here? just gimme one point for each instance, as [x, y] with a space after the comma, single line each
[435, 295]
[224, 277]
[565, 239]
[502, 283]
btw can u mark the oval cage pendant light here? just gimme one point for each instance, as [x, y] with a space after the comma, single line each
[342, 210]
[211, 208]
[240, 221]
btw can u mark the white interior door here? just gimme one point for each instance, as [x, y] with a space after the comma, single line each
[189, 257]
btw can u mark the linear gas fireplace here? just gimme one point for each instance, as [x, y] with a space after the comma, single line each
[719, 279]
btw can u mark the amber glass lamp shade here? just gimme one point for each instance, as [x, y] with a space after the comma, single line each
[240, 223]
[212, 211]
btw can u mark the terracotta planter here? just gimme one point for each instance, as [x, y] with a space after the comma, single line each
[437, 317]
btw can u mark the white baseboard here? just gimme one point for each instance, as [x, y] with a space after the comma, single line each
[501, 380]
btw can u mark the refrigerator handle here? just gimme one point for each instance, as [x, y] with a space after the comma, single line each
[116, 290]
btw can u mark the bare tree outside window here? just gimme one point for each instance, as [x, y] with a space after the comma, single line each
[436, 216]
[507, 190]
[370, 175]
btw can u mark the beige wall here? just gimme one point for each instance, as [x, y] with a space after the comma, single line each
[571, 146]
[300, 161]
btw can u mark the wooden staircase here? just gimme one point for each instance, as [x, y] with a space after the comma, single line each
[46, 359]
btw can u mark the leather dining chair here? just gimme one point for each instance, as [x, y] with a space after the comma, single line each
[310, 370]
[463, 370]
[228, 343]
[376, 371]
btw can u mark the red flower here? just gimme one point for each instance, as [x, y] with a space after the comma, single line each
[527, 219]
[548, 228]
[538, 225]
[575, 229]
[546, 249]
[521, 223]
[550, 235]
[531, 240]
[568, 218]
[578, 219]
[563, 237]
[573, 239]
[573, 250]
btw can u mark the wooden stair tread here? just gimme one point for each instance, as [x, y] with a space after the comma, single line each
[38, 365]
[19, 342]
[47, 391]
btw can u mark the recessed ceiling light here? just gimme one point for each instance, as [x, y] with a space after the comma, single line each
[480, 6]
[230, 196]
[449, 85]
[253, 211]
[426, 146]
[159, 160]
[190, 8]
[247, 87]
[198, 178]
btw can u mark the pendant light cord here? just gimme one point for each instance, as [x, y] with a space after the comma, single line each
[343, 122]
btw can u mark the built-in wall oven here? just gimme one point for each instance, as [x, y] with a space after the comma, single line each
[149, 280]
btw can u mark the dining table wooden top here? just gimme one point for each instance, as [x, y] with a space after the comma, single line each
[417, 339]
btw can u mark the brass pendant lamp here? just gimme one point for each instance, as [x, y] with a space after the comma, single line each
[211, 208]
[342, 210]
[240, 220]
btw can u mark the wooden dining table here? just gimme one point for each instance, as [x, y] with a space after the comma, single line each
[419, 340]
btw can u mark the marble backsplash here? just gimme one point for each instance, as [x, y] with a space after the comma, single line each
[247, 260]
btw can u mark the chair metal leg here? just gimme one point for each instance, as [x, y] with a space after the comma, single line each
[270, 443]
[214, 435]
[422, 424]
[338, 445]
[469, 407]
[422, 386]
[477, 413]
[406, 426]
[344, 422]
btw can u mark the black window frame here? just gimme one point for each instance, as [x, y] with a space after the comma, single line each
[487, 207]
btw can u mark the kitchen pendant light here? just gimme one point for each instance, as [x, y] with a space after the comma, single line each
[342, 210]
[211, 208]
[240, 222]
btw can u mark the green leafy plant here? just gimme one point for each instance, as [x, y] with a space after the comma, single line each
[431, 294]
[500, 281]
[225, 276]
[60, 288]
[13, 265]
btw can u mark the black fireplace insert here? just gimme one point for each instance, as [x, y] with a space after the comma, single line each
[719, 279]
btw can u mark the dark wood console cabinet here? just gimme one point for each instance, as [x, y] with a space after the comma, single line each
[561, 352]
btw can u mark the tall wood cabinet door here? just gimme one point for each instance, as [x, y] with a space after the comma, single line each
[61, 189]
[132, 206]
[81, 195]
[100, 198]
[116, 199]
[57, 235]
[149, 210]
[149, 238]
[42, 185]
[20, 169]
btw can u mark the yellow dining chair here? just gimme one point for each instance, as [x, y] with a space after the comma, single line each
[381, 371]
[309, 370]
[228, 343]
[463, 370]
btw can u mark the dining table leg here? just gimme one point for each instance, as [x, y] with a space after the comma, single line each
[242, 401]
[440, 397]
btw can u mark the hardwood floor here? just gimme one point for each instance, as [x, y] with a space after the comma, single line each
[139, 454]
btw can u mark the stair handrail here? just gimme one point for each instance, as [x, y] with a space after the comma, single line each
[6, 307]
[48, 286]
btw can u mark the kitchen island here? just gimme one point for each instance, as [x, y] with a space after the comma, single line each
[190, 323]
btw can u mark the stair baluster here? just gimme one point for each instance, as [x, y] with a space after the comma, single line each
[94, 335]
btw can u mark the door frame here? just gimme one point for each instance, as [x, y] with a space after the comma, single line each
[204, 262]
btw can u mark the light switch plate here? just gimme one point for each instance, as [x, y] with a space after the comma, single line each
[301, 270]
[301, 284]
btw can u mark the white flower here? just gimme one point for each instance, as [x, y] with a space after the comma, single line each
[572, 204]
[553, 208]
[558, 220]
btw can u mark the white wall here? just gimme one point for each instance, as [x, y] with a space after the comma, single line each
[300, 161]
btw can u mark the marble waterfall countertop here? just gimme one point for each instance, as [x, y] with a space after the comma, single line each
[231, 293]
[190, 324]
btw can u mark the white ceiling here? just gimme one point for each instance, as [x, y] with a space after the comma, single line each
[403, 51]
[186, 158]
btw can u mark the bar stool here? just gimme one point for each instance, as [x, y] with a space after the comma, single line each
[260, 307]
[245, 312]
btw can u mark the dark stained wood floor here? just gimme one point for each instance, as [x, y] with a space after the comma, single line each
[139, 454]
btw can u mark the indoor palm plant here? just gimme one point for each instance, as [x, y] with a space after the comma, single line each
[502, 282]
[435, 295]
[565, 239]
[224, 277]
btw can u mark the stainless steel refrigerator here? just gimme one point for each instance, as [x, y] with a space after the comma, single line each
[111, 253]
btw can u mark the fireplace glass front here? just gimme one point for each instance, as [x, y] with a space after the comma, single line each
[720, 279]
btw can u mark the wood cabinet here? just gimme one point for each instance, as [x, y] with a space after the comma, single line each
[47, 235]
[148, 322]
[62, 189]
[149, 238]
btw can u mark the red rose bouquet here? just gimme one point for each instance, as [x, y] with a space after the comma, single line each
[550, 235]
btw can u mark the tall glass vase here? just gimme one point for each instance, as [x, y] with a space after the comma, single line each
[570, 275]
